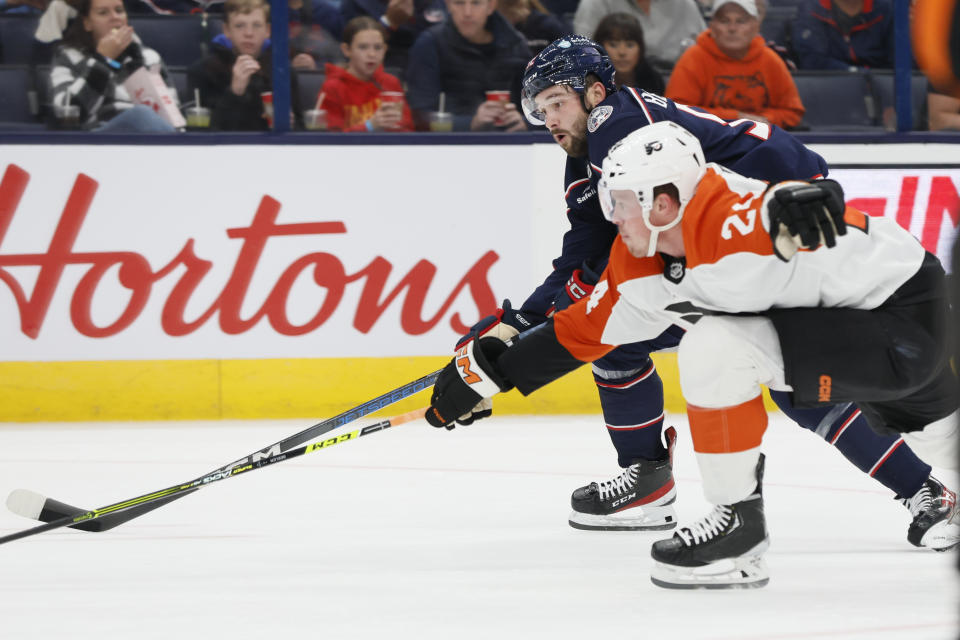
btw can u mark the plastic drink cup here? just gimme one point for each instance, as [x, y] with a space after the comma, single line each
[391, 97]
[498, 95]
[441, 121]
[67, 115]
[392, 100]
[267, 98]
[315, 119]
[198, 117]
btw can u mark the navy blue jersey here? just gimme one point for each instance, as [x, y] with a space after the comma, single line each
[751, 148]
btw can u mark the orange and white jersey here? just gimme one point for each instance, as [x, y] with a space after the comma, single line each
[731, 268]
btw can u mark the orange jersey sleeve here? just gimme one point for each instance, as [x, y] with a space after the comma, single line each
[580, 328]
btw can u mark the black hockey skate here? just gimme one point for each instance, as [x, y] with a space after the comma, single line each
[936, 523]
[724, 550]
[640, 498]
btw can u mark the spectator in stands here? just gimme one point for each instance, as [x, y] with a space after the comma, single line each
[404, 20]
[622, 36]
[669, 26]
[474, 52]
[353, 95]
[98, 55]
[315, 30]
[943, 111]
[233, 77]
[731, 72]
[534, 21]
[844, 34]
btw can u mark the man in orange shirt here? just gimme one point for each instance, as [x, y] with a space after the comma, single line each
[732, 73]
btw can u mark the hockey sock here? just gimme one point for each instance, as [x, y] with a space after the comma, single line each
[887, 459]
[632, 404]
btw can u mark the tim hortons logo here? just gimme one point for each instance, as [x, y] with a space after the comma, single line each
[136, 275]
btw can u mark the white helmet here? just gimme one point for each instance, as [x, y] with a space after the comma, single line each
[657, 154]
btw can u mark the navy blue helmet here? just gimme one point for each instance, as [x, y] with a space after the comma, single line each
[566, 61]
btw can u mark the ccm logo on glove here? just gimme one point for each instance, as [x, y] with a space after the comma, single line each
[463, 363]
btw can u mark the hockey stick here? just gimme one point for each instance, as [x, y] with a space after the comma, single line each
[37, 507]
[235, 471]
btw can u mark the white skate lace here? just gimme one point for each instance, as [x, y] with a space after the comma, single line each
[619, 485]
[919, 502]
[711, 525]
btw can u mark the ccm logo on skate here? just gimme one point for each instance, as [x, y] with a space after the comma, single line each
[624, 499]
[826, 383]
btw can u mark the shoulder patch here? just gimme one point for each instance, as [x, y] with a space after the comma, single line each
[598, 116]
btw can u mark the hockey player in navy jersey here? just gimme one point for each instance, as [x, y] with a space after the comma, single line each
[569, 88]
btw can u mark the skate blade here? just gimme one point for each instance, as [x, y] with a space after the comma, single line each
[940, 541]
[744, 572]
[636, 519]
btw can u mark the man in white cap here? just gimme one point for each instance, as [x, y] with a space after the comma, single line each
[732, 73]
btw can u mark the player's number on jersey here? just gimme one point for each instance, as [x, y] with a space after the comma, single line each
[759, 130]
[738, 224]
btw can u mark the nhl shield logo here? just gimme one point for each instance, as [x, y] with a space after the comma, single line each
[598, 116]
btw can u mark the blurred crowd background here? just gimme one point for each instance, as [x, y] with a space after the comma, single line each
[442, 65]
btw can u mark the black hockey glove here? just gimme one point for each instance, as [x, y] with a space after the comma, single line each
[503, 325]
[805, 215]
[580, 285]
[469, 378]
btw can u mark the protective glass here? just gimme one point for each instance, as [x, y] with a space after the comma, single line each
[536, 112]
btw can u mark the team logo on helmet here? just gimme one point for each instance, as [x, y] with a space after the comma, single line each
[563, 44]
[650, 147]
[598, 116]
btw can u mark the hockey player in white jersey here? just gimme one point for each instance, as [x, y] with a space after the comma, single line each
[857, 314]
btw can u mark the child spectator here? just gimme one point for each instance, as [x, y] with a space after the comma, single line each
[669, 26]
[352, 95]
[474, 52]
[404, 20]
[622, 36]
[534, 21]
[731, 72]
[844, 34]
[238, 70]
[98, 54]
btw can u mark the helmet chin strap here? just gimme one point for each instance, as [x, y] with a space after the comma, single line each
[655, 231]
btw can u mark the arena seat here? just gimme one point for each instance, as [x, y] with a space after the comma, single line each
[308, 88]
[18, 100]
[836, 100]
[178, 39]
[883, 90]
[16, 39]
[178, 75]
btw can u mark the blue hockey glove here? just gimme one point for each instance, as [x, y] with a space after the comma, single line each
[805, 215]
[467, 380]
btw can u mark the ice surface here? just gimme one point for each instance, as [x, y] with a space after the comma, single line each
[422, 533]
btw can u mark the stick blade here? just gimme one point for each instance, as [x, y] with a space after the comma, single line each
[26, 503]
[35, 506]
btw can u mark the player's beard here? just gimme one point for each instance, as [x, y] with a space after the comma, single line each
[576, 143]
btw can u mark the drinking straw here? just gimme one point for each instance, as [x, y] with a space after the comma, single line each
[320, 100]
[196, 97]
[443, 99]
